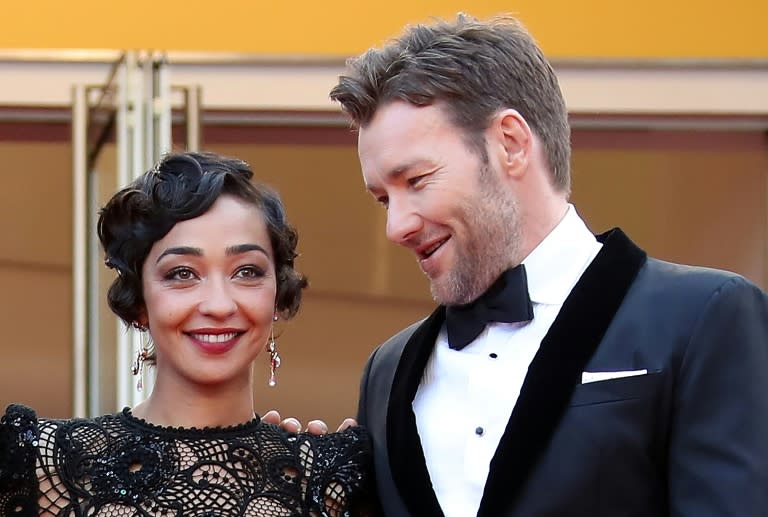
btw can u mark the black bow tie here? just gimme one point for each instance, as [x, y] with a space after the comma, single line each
[506, 301]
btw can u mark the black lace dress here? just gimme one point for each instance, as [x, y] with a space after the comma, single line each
[118, 465]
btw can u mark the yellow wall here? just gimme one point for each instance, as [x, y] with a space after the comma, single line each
[565, 28]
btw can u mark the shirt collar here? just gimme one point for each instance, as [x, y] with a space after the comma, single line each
[556, 264]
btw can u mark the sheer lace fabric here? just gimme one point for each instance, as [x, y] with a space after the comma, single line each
[117, 465]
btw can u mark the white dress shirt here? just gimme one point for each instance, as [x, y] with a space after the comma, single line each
[466, 397]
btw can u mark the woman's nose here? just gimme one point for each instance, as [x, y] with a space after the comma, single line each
[217, 299]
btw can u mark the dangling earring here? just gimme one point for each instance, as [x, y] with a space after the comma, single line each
[138, 367]
[274, 357]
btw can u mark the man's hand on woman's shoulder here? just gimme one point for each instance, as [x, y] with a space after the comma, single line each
[316, 427]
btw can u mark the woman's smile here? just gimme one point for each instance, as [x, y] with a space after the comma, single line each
[215, 342]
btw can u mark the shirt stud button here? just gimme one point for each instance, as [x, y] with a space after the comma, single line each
[493, 355]
[479, 431]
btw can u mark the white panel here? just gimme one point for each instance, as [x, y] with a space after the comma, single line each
[253, 82]
[666, 90]
[79, 250]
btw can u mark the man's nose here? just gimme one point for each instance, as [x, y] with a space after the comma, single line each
[402, 222]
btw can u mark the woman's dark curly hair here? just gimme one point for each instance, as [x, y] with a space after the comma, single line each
[184, 186]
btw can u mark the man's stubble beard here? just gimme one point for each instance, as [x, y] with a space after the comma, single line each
[492, 244]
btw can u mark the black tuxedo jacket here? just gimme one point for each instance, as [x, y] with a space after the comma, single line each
[690, 438]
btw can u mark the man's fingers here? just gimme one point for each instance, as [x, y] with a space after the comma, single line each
[291, 425]
[346, 424]
[317, 427]
[271, 417]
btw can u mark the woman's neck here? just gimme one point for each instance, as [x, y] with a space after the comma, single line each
[197, 406]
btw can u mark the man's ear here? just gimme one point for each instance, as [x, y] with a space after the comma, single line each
[514, 141]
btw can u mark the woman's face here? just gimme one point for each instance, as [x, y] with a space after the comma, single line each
[209, 287]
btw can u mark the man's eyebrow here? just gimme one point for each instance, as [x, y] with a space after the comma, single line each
[395, 173]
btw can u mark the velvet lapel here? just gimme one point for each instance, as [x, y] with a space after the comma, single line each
[556, 369]
[406, 457]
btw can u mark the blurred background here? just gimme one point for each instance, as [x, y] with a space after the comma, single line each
[668, 103]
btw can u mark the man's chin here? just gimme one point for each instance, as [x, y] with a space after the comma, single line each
[449, 291]
[438, 294]
[443, 294]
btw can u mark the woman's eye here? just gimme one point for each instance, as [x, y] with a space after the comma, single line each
[249, 272]
[180, 273]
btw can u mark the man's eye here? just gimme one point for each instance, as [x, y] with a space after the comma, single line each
[416, 179]
[383, 201]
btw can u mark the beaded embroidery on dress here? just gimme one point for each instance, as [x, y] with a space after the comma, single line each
[118, 465]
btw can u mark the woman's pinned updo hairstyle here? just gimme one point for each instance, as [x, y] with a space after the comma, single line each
[184, 186]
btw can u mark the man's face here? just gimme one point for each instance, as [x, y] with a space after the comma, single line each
[443, 201]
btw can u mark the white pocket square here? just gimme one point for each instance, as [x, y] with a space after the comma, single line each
[587, 377]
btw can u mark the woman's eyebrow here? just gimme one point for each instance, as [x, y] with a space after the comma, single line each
[244, 248]
[181, 250]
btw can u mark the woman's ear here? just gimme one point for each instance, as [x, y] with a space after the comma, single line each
[142, 321]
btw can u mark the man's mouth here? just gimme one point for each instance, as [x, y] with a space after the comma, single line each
[428, 251]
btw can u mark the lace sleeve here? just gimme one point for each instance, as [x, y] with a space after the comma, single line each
[340, 472]
[19, 437]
